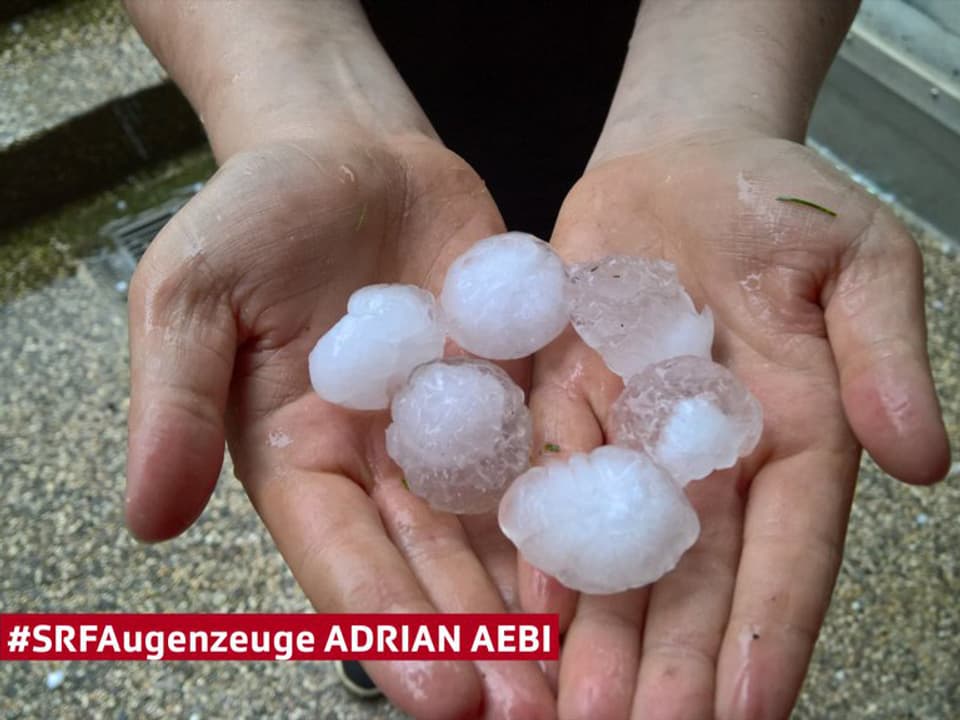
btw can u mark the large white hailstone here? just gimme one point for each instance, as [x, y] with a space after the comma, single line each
[460, 433]
[634, 312]
[691, 415]
[369, 354]
[504, 297]
[602, 522]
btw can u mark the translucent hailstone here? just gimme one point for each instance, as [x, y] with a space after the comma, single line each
[504, 297]
[460, 433]
[365, 358]
[634, 312]
[691, 415]
[602, 522]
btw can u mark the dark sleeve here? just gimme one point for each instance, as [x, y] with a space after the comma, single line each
[519, 89]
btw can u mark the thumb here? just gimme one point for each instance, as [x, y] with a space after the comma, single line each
[876, 325]
[182, 345]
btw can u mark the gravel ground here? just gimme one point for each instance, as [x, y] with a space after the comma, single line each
[888, 650]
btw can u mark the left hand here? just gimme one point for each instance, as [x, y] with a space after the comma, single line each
[224, 309]
[822, 318]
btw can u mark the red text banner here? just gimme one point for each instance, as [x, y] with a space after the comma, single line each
[128, 636]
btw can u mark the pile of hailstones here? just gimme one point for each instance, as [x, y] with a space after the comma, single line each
[601, 522]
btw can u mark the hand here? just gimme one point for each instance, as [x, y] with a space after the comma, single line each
[822, 317]
[224, 309]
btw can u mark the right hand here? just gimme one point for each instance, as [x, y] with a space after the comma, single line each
[224, 309]
[822, 318]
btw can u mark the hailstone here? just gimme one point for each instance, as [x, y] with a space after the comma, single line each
[369, 354]
[504, 297]
[634, 312]
[690, 414]
[461, 433]
[601, 522]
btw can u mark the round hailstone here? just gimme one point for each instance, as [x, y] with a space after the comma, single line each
[368, 355]
[602, 522]
[691, 415]
[460, 433]
[634, 312]
[504, 297]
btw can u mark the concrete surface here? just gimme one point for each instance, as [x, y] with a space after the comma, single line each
[889, 648]
[82, 104]
[926, 32]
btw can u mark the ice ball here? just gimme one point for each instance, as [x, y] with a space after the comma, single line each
[504, 297]
[634, 312]
[368, 355]
[691, 415]
[601, 522]
[460, 433]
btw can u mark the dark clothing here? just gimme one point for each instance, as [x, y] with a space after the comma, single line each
[519, 89]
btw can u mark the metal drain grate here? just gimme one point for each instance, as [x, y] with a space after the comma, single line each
[130, 236]
[133, 234]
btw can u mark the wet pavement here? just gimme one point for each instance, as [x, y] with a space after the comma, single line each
[889, 648]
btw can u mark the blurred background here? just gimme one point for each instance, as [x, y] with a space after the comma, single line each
[98, 150]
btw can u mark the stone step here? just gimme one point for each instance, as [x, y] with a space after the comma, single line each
[890, 107]
[11, 8]
[84, 103]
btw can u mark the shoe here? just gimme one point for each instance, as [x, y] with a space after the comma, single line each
[355, 679]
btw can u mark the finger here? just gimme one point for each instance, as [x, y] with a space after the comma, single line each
[792, 546]
[496, 554]
[182, 344]
[568, 379]
[437, 550]
[329, 532]
[601, 653]
[688, 610]
[541, 593]
[501, 560]
[875, 320]
[571, 394]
